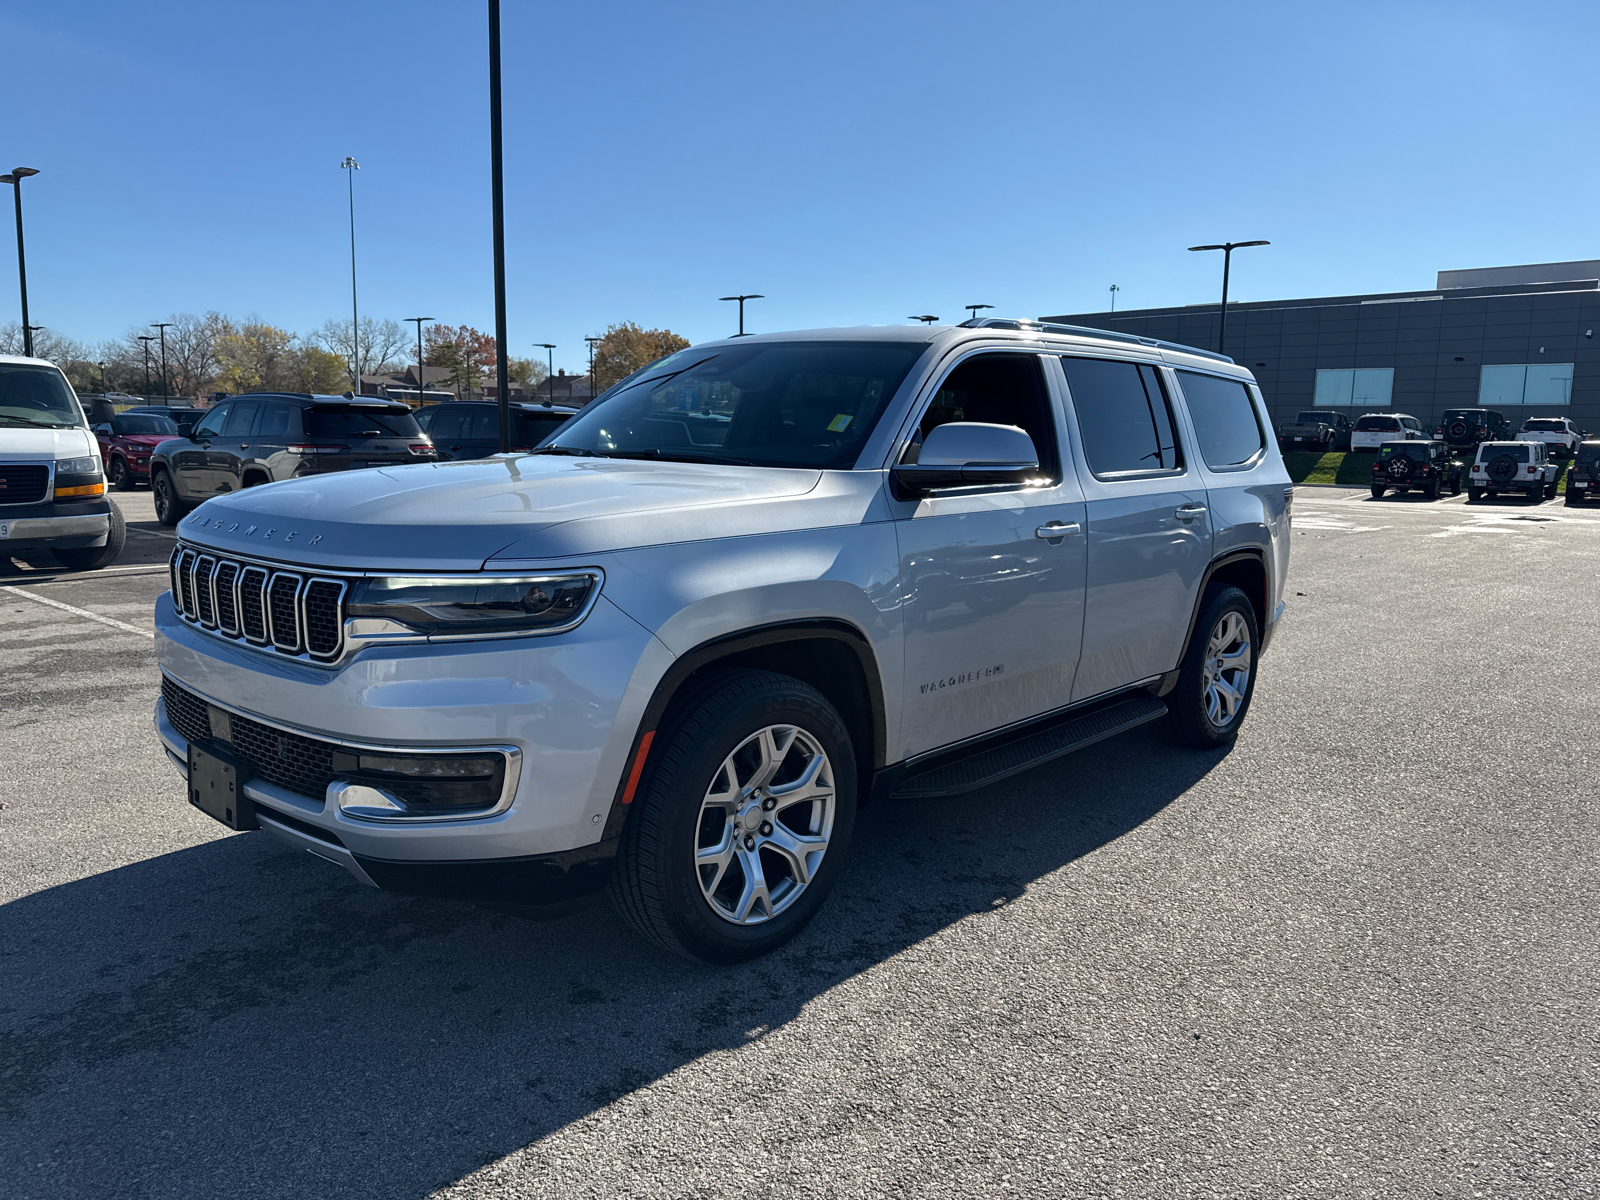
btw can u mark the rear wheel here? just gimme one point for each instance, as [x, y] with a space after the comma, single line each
[1474, 493]
[1217, 675]
[121, 478]
[1455, 486]
[92, 558]
[1377, 491]
[743, 821]
[1550, 490]
[169, 507]
[1432, 489]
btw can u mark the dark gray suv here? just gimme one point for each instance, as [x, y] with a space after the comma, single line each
[249, 440]
[471, 428]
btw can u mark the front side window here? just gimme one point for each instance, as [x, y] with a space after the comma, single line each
[768, 404]
[1124, 417]
[1224, 418]
[211, 426]
[996, 389]
[36, 397]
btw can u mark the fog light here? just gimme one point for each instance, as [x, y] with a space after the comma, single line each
[400, 786]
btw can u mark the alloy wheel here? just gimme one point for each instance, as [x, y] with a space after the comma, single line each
[1227, 669]
[764, 824]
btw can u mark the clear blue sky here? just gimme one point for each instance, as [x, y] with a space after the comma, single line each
[857, 162]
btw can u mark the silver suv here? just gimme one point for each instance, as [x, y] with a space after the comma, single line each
[762, 582]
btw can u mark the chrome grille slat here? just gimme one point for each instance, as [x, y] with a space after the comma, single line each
[288, 612]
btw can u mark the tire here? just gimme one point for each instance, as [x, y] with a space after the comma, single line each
[1474, 494]
[726, 725]
[1193, 705]
[1572, 499]
[121, 478]
[170, 508]
[1377, 491]
[1455, 486]
[254, 480]
[92, 558]
[1549, 491]
[1432, 490]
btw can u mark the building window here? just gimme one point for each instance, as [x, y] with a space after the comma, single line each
[1535, 383]
[1365, 387]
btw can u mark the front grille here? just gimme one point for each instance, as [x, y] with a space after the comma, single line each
[303, 765]
[298, 615]
[23, 483]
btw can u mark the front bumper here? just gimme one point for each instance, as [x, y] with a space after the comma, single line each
[570, 704]
[67, 524]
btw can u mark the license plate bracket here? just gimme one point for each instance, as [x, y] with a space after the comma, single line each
[216, 788]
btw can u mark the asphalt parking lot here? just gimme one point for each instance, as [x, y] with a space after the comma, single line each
[1353, 956]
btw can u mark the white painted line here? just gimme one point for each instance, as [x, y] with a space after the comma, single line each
[79, 612]
[152, 532]
[43, 576]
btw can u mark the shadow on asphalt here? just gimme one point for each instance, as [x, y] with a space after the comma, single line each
[239, 1019]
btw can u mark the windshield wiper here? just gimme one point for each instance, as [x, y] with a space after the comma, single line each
[29, 422]
[572, 450]
[678, 456]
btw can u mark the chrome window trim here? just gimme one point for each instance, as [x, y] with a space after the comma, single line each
[291, 648]
[508, 791]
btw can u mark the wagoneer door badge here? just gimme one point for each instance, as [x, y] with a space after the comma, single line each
[964, 677]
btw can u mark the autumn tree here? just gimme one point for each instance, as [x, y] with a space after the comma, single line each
[625, 348]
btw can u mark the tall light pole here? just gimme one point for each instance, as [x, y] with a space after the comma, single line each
[925, 318]
[147, 338]
[419, 321]
[550, 371]
[161, 327]
[1227, 249]
[593, 342]
[741, 300]
[18, 174]
[1114, 290]
[350, 166]
[974, 309]
[502, 344]
[102, 367]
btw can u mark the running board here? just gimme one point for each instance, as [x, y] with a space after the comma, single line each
[1000, 762]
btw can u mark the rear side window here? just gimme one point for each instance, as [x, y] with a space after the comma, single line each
[483, 425]
[1124, 417]
[240, 420]
[359, 421]
[274, 421]
[1224, 419]
[446, 424]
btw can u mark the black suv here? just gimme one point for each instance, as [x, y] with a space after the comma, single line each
[254, 439]
[1583, 475]
[184, 418]
[471, 428]
[1464, 428]
[1425, 466]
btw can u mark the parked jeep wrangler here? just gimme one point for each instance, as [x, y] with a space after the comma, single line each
[1464, 428]
[1583, 475]
[1424, 466]
[1513, 467]
[674, 648]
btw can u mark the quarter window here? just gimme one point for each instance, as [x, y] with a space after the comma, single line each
[1124, 417]
[1225, 420]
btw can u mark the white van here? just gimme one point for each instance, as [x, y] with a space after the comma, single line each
[1374, 429]
[52, 483]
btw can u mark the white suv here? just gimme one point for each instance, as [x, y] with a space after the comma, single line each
[1558, 433]
[1374, 429]
[1513, 467]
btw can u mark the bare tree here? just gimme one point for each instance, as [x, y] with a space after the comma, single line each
[192, 351]
[379, 345]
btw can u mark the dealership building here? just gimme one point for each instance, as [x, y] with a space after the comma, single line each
[1519, 339]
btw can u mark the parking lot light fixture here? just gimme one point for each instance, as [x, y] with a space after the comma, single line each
[147, 338]
[593, 342]
[925, 318]
[161, 327]
[1114, 290]
[741, 300]
[350, 166]
[549, 349]
[1227, 249]
[15, 178]
[419, 321]
[975, 309]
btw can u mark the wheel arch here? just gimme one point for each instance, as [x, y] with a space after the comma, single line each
[1244, 569]
[832, 656]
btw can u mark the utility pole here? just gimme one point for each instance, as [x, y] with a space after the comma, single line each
[502, 345]
[550, 372]
[147, 338]
[18, 174]
[350, 167]
[593, 390]
[419, 321]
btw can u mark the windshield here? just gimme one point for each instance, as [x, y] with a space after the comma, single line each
[1547, 426]
[1416, 450]
[1377, 425]
[1495, 450]
[359, 421]
[123, 425]
[1588, 453]
[1313, 418]
[771, 404]
[36, 396]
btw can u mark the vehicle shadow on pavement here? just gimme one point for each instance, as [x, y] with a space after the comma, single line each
[237, 1019]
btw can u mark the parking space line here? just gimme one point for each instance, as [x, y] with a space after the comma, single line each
[47, 576]
[78, 612]
[152, 532]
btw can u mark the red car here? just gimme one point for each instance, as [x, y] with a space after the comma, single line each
[125, 445]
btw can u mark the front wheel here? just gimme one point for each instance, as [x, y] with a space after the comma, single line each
[743, 819]
[170, 509]
[1217, 675]
[92, 558]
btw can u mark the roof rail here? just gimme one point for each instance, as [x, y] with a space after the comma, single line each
[1087, 331]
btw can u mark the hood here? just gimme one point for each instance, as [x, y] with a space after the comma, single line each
[454, 516]
[72, 442]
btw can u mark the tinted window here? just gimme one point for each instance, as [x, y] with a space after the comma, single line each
[1314, 418]
[998, 389]
[359, 421]
[212, 425]
[1410, 423]
[125, 424]
[773, 404]
[483, 424]
[425, 418]
[1588, 454]
[1546, 426]
[36, 396]
[1124, 416]
[446, 424]
[1224, 419]
[1374, 424]
[1517, 453]
[533, 428]
[274, 421]
[240, 420]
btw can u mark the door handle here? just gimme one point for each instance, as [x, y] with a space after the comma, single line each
[1188, 512]
[244, 445]
[1054, 531]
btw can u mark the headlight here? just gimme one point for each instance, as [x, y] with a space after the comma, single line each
[78, 466]
[477, 605]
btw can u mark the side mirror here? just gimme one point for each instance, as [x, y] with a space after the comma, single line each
[963, 453]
